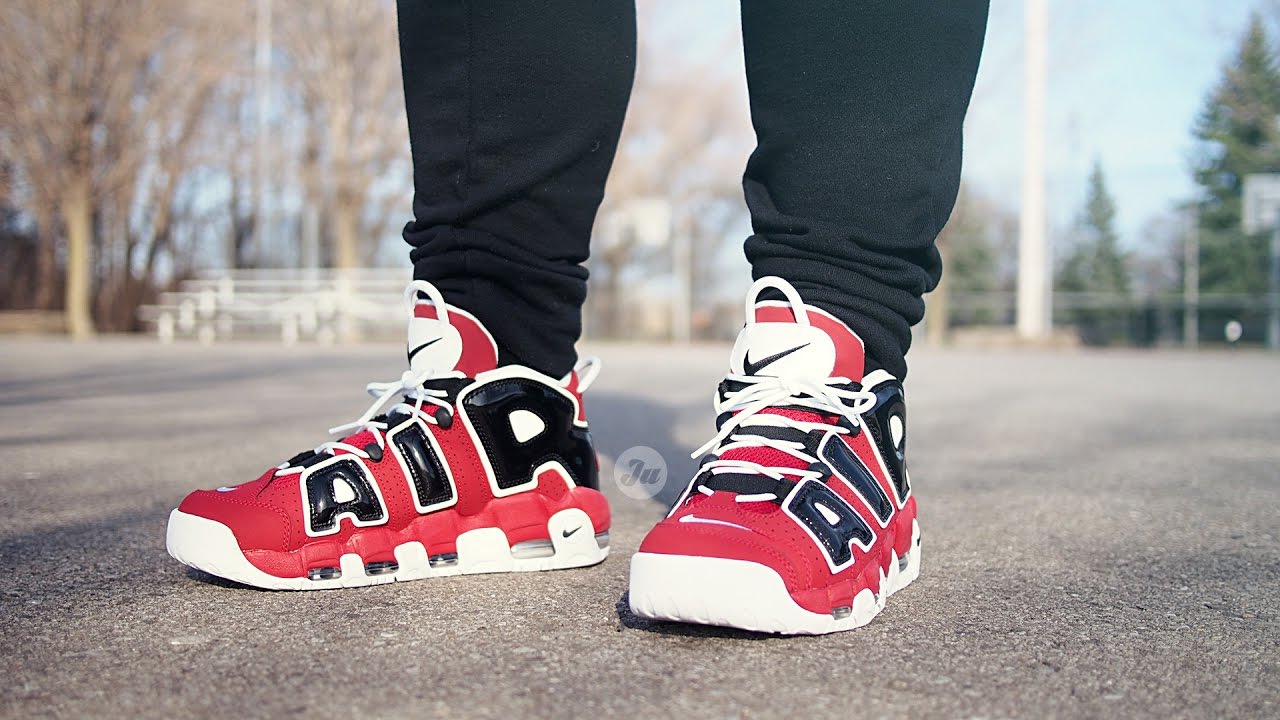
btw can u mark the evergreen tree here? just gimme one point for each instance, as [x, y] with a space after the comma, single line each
[972, 265]
[1110, 263]
[1238, 134]
[971, 262]
[1098, 266]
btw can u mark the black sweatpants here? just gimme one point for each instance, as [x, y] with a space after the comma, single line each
[514, 114]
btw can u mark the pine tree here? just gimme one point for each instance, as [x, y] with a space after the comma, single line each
[1097, 265]
[972, 264]
[1238, 134]
[1110, 264]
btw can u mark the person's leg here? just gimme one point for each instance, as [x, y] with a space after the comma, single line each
[858, 109]
[514, 114]
[801, 518]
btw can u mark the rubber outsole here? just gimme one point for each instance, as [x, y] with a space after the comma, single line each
[210, 546]
[750, 596]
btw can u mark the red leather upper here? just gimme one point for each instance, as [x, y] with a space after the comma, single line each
[268, 517]
[704, 525]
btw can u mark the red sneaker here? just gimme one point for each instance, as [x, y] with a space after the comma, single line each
[801, 521]
[474, 469]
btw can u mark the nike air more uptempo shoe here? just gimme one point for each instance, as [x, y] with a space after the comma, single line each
[474, 469]
[801, 520]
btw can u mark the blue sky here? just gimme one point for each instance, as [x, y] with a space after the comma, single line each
[1126, 81]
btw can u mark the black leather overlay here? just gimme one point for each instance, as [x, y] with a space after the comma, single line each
[430, 480]
[850, 467]
[323, 506]
[889, 402]
[489, 408]
[835, 538]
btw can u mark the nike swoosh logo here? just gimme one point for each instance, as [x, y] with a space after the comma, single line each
[710, 521]
[422, 347]
[567, 533]
[754, 367]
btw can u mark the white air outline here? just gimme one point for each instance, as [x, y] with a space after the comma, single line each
[875, 448]
[337, 520]
[834, 437]
[408, 476]
[835, 569]
[506, 373]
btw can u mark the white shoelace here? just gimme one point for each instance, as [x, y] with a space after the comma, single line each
[409, 387]
[760, 393]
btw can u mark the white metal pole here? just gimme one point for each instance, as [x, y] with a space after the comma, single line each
[1034, 287]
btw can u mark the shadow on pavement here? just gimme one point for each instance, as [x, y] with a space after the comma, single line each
[631, 621]
[620, 422]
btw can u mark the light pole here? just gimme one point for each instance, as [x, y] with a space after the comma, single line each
[1034, 299]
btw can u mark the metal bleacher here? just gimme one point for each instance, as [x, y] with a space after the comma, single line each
[292, 306]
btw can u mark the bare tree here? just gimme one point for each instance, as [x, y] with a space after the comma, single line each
[342, 61]
[48, 60]
[163, 135]
[123, 144]
[686, 137]
[105, 97]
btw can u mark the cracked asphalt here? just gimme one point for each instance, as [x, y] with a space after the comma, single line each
[1101, 538]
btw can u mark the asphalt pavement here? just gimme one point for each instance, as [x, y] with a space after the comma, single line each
[1101, 538]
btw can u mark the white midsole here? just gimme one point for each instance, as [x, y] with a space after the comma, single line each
[748, 595]
[210, 546]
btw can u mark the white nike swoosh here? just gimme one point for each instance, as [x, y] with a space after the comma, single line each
[224, 488]
[709, 521]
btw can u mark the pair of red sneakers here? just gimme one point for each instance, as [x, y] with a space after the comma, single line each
[800, 520]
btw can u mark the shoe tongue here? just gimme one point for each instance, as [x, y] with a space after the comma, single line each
[774, 343]
[777, 341]
[458, 342]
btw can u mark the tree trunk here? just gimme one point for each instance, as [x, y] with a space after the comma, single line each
[346, 233]
[346, 257]
[612, 319]
[46, 257]
[76, 217]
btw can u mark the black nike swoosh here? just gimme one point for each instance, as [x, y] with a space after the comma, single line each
[426, 344]
[567, 533]
[754, 367]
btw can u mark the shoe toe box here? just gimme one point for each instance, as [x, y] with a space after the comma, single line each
[256, 525]
[707, 531]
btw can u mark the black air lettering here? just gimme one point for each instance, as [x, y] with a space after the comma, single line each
[834, 537]
[489, 408]
[431, 483]
[322, 503]
[850, 469]
[880, 422]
